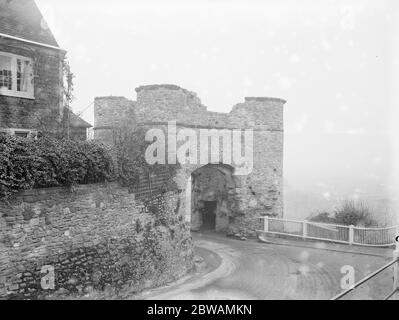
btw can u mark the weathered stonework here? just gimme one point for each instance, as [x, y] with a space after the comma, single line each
[24, 34]
[23, 113]
[246, 197]
[97, 237]
[213, 185]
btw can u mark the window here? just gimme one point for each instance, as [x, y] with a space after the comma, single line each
[22, 133]
[5, 73]
[16, 76]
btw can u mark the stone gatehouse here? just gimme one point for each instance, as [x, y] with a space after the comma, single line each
[214, 195]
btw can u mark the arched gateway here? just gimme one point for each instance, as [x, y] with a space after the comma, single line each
[231, 163]
[213, 197]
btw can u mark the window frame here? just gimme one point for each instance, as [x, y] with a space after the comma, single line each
[16, 131]
[14, 93]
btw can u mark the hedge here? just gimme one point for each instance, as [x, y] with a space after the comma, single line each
[47, 162]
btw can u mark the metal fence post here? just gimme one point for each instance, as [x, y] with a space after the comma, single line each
[305, 229]
[266, 224]
[396, 273]
[351, 232]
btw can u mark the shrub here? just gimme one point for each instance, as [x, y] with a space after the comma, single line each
[349, 212]
[130, 148]
[323, 217]
[131, 164]
[156, 205]
[47, 162]
[354, 213]
[16, 165]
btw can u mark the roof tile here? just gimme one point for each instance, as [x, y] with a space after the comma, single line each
[23, 19]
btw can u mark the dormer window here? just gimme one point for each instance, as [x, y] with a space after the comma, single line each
[16, 76]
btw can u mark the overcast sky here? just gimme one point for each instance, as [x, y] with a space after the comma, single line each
[333, 61]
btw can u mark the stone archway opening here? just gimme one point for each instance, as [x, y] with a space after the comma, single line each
[213, 190]
[209, 215]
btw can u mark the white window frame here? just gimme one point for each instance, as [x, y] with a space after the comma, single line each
[14, 93]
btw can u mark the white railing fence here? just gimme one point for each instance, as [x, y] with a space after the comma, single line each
[393, 295]
[372, 237]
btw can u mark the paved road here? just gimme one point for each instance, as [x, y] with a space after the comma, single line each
[253, 270]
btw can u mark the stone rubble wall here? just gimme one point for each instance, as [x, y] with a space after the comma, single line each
[112, 114]
[97, 237]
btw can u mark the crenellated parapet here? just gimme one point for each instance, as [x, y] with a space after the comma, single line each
[112, 113]
[163, 103]
[263, 112]
[159, 102]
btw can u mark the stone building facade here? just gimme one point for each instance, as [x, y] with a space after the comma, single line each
[31, 73]
[216, 194]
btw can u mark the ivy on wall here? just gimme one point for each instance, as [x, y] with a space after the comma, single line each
[48, 162]
[130, 148]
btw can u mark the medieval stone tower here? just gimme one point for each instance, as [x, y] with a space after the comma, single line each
[217, 194]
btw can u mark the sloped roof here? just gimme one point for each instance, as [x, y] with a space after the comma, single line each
[77, 122]
[23, 19]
